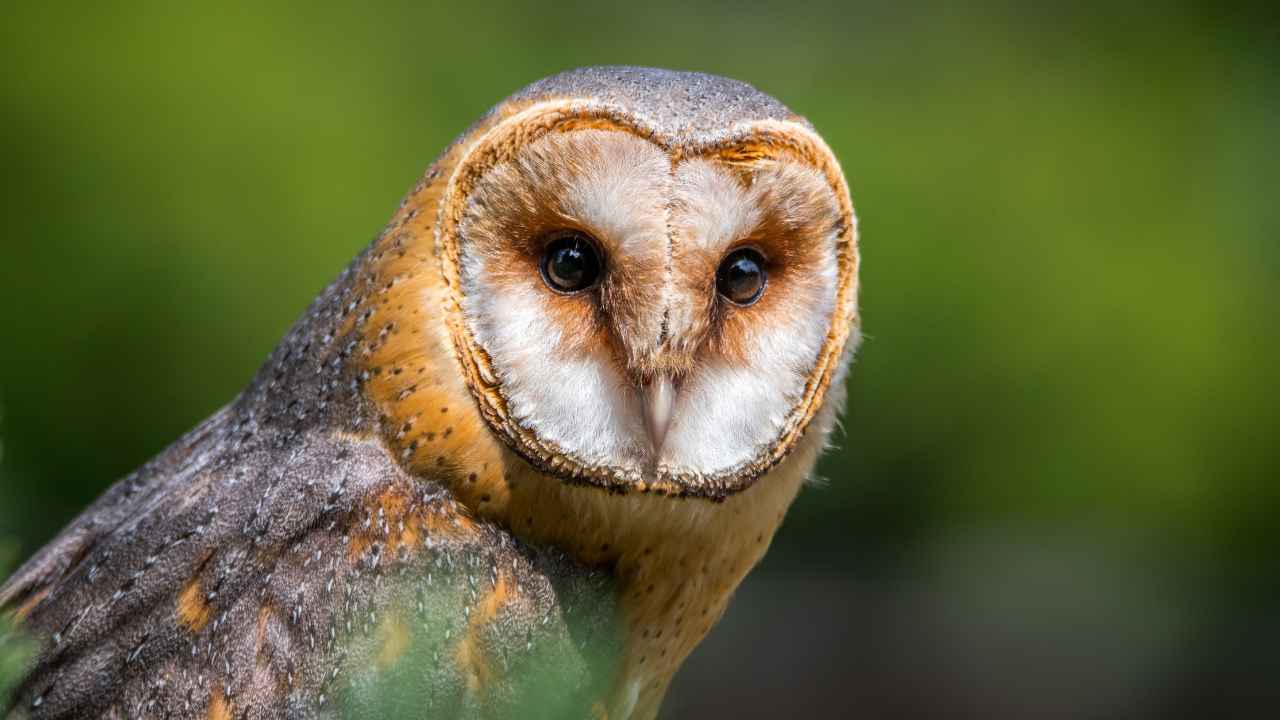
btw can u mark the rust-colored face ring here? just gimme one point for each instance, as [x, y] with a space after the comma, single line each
[746, 143]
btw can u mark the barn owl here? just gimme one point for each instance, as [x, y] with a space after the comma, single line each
[514, 461]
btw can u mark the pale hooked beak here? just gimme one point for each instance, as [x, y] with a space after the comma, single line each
[659, 400]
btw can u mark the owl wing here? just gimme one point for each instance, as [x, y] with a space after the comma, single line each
[252, 574]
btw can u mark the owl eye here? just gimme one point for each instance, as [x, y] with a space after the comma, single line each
[741, 277]
[570, 263]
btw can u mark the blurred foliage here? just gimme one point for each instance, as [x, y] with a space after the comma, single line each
[540, 669]
[1068, 225]
[15, 650]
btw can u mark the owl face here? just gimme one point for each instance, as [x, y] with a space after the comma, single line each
[644, 318]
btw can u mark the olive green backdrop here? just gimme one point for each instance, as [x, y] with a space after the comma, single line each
[1056, 485]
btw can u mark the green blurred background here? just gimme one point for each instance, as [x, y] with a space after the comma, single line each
[1056, 485]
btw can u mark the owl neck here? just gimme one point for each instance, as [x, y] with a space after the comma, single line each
[676, 562]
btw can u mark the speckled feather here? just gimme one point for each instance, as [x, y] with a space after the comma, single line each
[251, 570]
[688, 108]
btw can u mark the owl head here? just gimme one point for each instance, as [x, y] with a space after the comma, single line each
[651, 278]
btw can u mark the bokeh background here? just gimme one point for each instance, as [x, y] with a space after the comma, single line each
[1055, 491]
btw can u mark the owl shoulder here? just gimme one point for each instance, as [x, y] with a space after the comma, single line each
[266, 575]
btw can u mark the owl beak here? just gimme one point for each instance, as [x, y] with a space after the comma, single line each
[659, 400]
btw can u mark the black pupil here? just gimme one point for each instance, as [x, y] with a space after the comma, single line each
[741, 276]
[570, 263]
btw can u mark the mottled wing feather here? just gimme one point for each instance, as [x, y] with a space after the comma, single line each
[271, 575]
[102, 517]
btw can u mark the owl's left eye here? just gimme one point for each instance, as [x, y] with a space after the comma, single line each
[570, 262]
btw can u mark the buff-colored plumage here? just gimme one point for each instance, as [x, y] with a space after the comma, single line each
[438, 495]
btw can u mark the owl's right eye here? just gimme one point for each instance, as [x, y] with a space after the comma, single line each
[570, 263]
